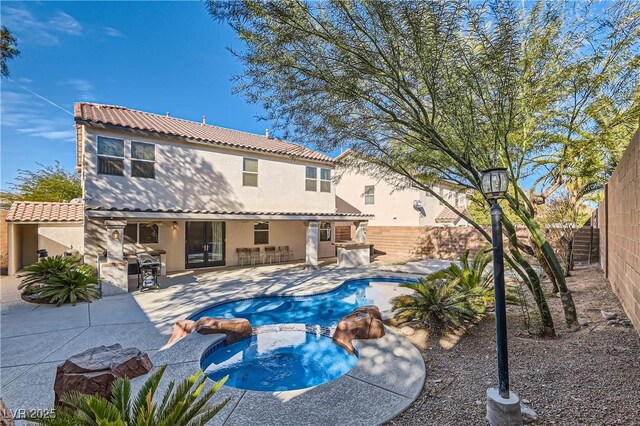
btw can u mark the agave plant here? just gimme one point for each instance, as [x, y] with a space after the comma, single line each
[181, 405]
[41, 272]
[70, 286]
[438, 304]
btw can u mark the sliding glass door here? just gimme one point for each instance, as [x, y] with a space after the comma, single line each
[205, 244]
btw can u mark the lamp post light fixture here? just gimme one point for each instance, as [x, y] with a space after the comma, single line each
[503, 406]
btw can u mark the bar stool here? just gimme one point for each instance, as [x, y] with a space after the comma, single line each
[243, 256]
[255, 255]
[270, 254]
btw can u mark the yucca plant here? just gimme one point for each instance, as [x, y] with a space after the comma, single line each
[181, 405]
[41, 272]
[438, 304]
[70, 286]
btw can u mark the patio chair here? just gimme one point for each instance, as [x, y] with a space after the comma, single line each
[285, 253]
[243, 256]
[270, 254]
[255, 255]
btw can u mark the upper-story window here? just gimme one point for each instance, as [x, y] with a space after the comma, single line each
[311, 179]
[261, 233]
[144, 233]
[110, 156]
[143, 160]
[325, 180]
[249, 172]
[325, 231]
[369, 194]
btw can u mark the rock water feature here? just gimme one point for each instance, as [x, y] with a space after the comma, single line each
[364, 322]
[235, 328]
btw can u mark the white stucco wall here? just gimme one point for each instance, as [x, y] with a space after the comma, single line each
[198, 176]
[393, 207]
[57, 238]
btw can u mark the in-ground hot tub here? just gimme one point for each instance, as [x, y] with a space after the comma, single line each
[278, 359]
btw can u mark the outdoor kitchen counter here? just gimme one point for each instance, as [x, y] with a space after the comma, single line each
[352, 254]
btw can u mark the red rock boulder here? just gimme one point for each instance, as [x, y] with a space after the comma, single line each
[360, 324]
[92, 372]
[235, 328]
[6, 417]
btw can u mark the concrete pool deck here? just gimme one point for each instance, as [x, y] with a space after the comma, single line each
[36, 338]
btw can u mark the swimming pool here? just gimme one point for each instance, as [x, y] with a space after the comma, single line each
[279, 360]
[322, 309]
[283, 358]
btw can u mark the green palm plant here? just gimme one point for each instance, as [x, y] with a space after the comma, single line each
[41, 272]
[186, 404]
[70, 286]
[438, 304]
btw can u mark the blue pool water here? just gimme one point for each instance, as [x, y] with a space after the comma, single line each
[322, 309]
[279, 361]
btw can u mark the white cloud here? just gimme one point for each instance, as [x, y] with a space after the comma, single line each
[45, 31]
[112, 32]
[84, 87]
[23, 113]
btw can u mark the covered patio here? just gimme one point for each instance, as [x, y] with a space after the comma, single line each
[185, 240]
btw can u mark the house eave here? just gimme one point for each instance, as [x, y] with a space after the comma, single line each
[132, 214]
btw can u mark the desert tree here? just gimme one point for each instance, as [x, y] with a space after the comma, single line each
[421, 90]
[8, 49]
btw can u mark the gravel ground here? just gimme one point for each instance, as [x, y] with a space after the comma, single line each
[588, 377]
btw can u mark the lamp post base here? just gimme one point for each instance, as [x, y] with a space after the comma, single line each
[503, 411]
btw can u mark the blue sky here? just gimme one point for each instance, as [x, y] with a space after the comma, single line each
[151, 56]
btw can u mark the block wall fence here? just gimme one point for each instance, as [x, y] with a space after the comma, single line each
[618, 220]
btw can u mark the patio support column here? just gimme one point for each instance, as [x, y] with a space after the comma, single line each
[312, 244]
[113, 269]
[361, 231]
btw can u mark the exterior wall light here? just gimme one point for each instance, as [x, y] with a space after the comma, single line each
[175, 225]
[115, 235]
[495, 183]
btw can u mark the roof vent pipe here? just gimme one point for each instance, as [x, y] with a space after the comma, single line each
[204, 119]
[266, 133]
[168, 114]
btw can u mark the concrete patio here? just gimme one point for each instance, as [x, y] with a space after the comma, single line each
[36, 338]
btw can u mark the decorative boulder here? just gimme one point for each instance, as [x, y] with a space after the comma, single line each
[92, 372]
[235, 328]
[360, 324]
[6, 417]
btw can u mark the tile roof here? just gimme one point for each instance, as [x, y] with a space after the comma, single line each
[222, 212]
[145, 121]
[448, 215]
[33, 211]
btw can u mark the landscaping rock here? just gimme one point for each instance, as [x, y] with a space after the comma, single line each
[235, 328]
[407, 331]
[583, 322]
[609, 315]
[92, 372]
[6, 418]
[624, 322]
[361, 324]
[528, 415]
[368, 309]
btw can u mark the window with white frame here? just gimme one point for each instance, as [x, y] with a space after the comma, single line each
[249, 172]
[143, 160]
[369, 194]
[143, 233]
[110, 156]
[325, 180]
[311, 179]
[325, 231]
[261, 233]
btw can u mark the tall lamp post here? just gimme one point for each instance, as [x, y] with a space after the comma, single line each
[503, 406]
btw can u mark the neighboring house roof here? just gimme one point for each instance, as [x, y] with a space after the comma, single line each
[344, 207]
[448, 215]
[138, 120]
[34, 211]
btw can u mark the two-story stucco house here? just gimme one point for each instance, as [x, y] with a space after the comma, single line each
[392, 207]
[194, 194]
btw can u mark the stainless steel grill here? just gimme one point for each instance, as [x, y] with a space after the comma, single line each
[148, 271]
